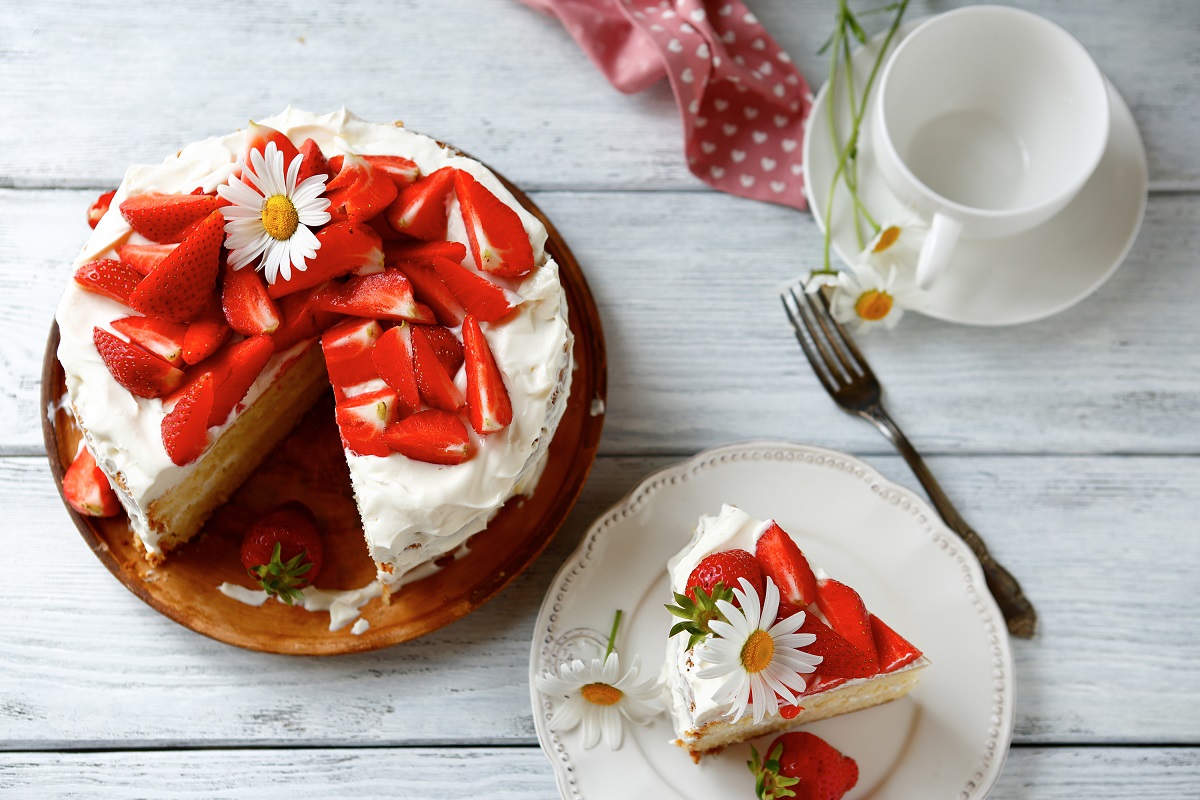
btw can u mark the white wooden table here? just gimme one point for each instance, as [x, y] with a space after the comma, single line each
[1072, 444]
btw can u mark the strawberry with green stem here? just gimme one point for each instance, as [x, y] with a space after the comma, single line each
[283, 552]
[712, 580]
[803, 766]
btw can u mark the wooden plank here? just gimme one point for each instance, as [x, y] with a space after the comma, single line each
[510, 773]
[1104, 547]
[700, 352]
[107, 84]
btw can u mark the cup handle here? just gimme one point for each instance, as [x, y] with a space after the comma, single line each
[935, 253]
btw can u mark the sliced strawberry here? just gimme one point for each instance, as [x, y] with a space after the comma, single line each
[364, 418]
[841, 659]
[393, 360]
[87, 489]
[820, 682]
[783, 562]
[163, 339]
[449, 350]
[401, 170]
[385, 295]
[257, 137]
[432, 435]
[408, 250]
[498, 240]
[166, 217]
[481, 298]
[235, 371]
[347, 348]
[248, 308]
[313, 163]
[894, 650]
[359, 191]
[140, 372]
[185, 428]
[179, 288]
[99, 207]
[421, 209]
[847, 614]
[206, 335]
[725, 567]
[300, 321]
[431, 290]
[344, 248]
[145, 257]
[108, 277]
[435, 384]
[488, 406]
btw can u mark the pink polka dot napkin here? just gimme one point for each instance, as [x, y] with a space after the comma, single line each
[742, 100]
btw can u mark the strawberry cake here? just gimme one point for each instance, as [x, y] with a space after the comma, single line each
[226, 289]
[766, 641]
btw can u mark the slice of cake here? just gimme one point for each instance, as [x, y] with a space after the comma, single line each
[191, 334]
[768, 641]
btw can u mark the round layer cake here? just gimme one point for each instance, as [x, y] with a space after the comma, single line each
[191, 348]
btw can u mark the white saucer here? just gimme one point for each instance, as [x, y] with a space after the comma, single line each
[1004, 281]
[948, 738]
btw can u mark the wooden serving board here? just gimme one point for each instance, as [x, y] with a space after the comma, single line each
[309, 466]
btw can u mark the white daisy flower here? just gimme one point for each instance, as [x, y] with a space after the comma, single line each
[271, 218]
[897, 246]
[865, 297]
[764, 661]
[595, 696]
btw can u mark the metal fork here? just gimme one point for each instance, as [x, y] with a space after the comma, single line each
[849, 380]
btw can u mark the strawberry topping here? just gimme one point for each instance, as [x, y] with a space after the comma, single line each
[488, 406]
[434, 382]
[86, 487]
[432, 435]
[134, 367]
[384, 295]
[725, 568]
[145, 257]
[894, 650]
[481, 298]
[257, 137]
[364, 418]
[429, 289]
[393, 361]
[179, 288]
[498, 239]
[359, 191]
[313, 162]
[108, 277]
[185, 428]
[166, 217]
[248, 308]
[847, 614]
[423, 252]
[420, 210]
[344, 248]
[783, 562]
[840, 659]
[99, 207]
[163, 339]
[206, 335]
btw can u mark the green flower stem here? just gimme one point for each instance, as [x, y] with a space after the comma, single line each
[612, 636]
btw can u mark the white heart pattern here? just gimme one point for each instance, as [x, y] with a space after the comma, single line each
[698, 15]
[729, 37]
[726, 10]
[708, 147]
[685, 28]
[768, 164]
[701, 122]
[686, 76]
[750, 111]
[702, 51]
[750, 19]
[797, 169]
[781, 121]
[747, 181]
[694, 106]
[778, 186]
[717, 172]
[784, 57]
[674, 46]
[766, 68]
[789, 145]
[759, 44]
[759, 137]
[729, 130]
[738, 156]
[720, 105]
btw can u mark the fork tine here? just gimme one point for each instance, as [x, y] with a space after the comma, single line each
[839, 341]
[847, 342]
[804, 335]
[820, 336]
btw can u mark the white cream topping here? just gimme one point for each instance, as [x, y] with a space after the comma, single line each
[403, 502]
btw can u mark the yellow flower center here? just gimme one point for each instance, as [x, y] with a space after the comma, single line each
[886, 239]
[279, 217]
[601, 694]
[758, 651]
[873, 305]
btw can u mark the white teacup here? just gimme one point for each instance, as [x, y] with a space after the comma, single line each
[989, 120]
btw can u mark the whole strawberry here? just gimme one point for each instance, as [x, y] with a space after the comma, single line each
[713, 579]
[803, 766]
[283, 552]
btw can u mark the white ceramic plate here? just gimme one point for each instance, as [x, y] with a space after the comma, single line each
[1004, 281]
[947, 739]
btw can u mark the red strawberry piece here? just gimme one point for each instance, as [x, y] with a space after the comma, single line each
[393, 360]
[257, 137]
[139, 371]
[420, 210]
[248, 308]
[847, 614]
[488, 406]
[841, 659]
[86, 487]
[402, 171]
[234, 368]
[313, 163]
[384, 295]
[804, 766]
[894, 650]
[431, 290]
[180, 287]
[347, 347]
[432, 435]
[163, 339]
[498, 240]
[344, 249]
[481, 298]
[386, 232]
[300, 321]
[185, 428]
[206, 335]
[820, 682]
[108, 277]
[283, 552]
[364, 418]
[99, 207]
[783, 562]
[435, 384]
[166, 217]
[359, 191]
[449, 350]
[145, 257]
[725, 567]
[408, 250]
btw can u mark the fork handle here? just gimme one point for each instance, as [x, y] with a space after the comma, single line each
[1018, 611]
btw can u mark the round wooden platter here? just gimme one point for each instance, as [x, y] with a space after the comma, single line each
[309, 466]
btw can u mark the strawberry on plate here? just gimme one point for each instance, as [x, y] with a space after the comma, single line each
[803, 766]
[498, 240]
[345, 248]
[164, 339]
[138, 370]
[248, 308]
[185, 427]
[109, 277]
[433, 436]
[87, 489]
[384, 295]
[488, 406]
[144, 257]
[283, 552]
[99, 207]
[166, 218]
[783, 562]
[179, 288]
[847, 614]
[420, 210]
[364, 418]
[434, 382]
[481, 298]
[393, 360]
[359, 191]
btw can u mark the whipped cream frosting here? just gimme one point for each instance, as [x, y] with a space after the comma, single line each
[412, 512]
